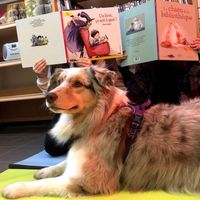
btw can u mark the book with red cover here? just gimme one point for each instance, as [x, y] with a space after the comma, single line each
[61, 37]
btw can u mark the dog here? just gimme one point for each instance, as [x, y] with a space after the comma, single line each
[164, 156]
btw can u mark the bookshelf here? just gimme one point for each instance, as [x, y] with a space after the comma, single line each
[20, 99]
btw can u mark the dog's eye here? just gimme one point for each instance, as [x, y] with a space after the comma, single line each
[77, 84]
[58, 82]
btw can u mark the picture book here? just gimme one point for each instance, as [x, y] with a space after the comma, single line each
[61, 37]
[15, 11]
[159, 30]
[2, 15]
[34, 7]
[93, 33]
[138, 30]
[41, 37]
[176, 28]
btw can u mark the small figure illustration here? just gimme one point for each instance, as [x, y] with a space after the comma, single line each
[39, 40]
[97, 38]
[135, 26]
[173, 37]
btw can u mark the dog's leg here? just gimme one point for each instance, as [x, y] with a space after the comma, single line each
[57, 186]
[52, 171]
[50, 186]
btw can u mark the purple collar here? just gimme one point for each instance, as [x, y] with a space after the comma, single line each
[138, 114]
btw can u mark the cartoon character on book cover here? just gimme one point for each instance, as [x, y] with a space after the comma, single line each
[90, 33]
[39, 40]
[175, 37]
[135, 24]
[176, 25]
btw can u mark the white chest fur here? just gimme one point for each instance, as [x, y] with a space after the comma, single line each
[75, 160]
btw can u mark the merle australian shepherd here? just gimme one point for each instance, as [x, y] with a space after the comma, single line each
[164, 156]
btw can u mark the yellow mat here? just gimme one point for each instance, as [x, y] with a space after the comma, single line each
[14, 175]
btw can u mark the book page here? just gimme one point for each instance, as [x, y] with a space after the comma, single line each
[93, 33]
[177, 28]
[41, 37]
[138, 28]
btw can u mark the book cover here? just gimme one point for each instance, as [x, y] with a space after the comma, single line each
[61, 37]
[34, 7]
[176, 27]
[15, 11]
[93, 33]
[138, 30]
[30, 6]
[2, 15]
[41, 37]
[159, 30]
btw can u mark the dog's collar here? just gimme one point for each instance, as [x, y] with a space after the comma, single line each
[136, 121]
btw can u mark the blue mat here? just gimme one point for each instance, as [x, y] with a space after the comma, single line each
[38, 161]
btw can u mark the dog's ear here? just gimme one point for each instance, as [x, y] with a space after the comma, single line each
[103, 76]
[53, 80]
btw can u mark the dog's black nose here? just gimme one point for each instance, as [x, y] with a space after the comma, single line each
[51, 97]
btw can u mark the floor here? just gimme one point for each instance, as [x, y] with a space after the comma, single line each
[19, 141]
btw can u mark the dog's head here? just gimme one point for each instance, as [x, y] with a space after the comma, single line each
[77, 90]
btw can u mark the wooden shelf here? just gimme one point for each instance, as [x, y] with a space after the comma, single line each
[10, 63]
[8, 33]
[7, 26]
[8, 1]
[27, 110]
[17, 94]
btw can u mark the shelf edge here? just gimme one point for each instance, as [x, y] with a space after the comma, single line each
[10, 63]
[21, 97]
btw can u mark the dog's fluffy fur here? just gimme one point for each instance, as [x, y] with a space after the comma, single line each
[165, 155]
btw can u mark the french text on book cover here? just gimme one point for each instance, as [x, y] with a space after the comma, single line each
[41, 37]
[176, 30]
[92, 33]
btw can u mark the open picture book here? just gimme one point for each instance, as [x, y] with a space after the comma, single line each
[159, 30]
[61, 37]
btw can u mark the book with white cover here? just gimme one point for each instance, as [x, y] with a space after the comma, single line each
[61, 37]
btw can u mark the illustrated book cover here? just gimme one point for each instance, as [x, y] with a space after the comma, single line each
[159, 30]
[61, 37]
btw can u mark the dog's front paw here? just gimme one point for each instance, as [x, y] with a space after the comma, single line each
[14, 191]
[74, 194]
[43, 173]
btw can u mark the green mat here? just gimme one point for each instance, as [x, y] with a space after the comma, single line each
[14, 175]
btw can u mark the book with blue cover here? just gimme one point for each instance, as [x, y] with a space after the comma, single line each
[139, 36]
[159, 30]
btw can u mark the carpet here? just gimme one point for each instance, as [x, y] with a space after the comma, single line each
[14, 175]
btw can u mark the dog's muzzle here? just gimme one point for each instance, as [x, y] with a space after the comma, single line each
[51, 97]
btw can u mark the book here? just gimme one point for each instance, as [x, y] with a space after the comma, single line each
[54, 4]
[2, 15]
[98, 35]
[68, 4]
[159, 30]
[15, 11]
[30, 6]
[61, 37]
[34, 7]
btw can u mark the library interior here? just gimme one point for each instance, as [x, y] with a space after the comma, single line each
[100, 99]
